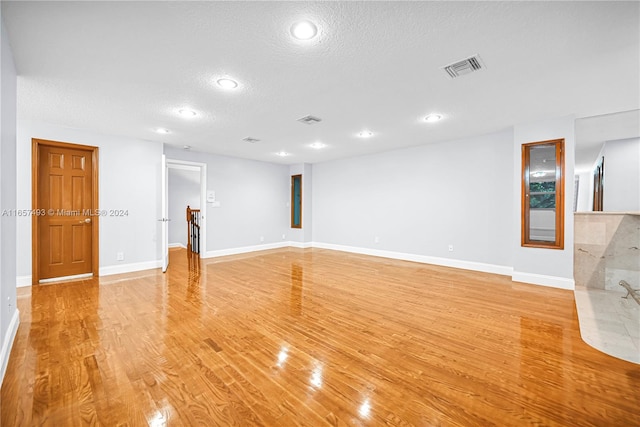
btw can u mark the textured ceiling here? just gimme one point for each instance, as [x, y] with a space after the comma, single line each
[124, 68]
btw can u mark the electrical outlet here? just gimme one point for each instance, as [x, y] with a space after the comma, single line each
[376, 239]
[284, 236]
[120, 256]
[262, 238]
[450, 248]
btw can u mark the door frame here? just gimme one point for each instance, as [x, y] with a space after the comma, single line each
[35, 235]
[202, 167]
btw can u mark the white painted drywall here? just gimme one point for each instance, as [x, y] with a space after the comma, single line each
[253, 196]
[420, 200]
[585, 204]
[184, 190]
[129, 179]
[535, 265]
[622, 175]
[8, 89]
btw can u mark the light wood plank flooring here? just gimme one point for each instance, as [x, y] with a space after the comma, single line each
[309, 337]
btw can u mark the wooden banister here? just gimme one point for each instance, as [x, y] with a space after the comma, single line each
[193, 230]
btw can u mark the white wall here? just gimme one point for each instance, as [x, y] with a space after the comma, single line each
[420, 200]
[622, 175]
[8, 313]
[253, 200]
[184, 190]
[129, 178]
[585, 190]
[535, 265]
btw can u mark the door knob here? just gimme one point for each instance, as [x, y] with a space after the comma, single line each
[87, 220]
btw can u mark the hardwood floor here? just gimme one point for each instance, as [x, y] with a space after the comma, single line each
[309, 337]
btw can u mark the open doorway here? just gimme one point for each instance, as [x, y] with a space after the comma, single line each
[185, 186]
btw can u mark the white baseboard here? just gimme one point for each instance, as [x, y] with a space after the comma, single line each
[177, 245]
[7, 344]
[424, 259]
[245, 249]
[129, 268]
[536, 279]
[301, 245]
[22, 281]
[542, 280]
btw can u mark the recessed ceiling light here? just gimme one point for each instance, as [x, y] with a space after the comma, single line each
[432, 118]
[282, 154]
[227, 83]
[304, 30]
[185, 112]
[186, 147]
[317, 145]
[365, 134]
[163, 131]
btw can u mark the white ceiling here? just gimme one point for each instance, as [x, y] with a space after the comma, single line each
[124, 68]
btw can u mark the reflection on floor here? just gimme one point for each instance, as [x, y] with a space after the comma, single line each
[308, 337]
[609, 322]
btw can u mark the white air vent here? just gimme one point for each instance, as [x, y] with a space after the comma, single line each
[466, 66]
[250, 140]
[309, 120]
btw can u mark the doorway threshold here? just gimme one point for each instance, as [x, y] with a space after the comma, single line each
[66, 278]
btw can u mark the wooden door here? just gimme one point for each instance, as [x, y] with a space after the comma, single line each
[65, 198]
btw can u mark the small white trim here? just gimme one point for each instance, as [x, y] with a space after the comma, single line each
[424, 259]
[63, 278]
[536, 279]
[540, 279]
[7, 344]
[245, 249]
[23, 281]
[177, 245]
[130, 268]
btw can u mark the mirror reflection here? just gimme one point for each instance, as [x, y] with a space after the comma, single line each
[542, 193]
[607, 156]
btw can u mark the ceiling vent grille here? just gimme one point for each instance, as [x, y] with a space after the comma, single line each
[466, 66]
[250, 140]
[310, 120]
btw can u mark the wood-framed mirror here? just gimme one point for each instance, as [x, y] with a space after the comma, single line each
[296, 201]
[543, 179]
